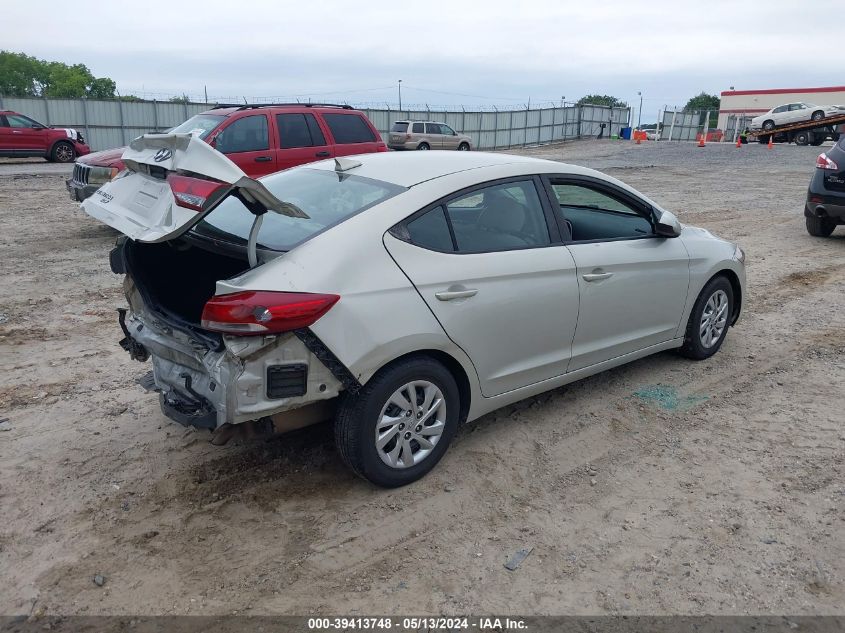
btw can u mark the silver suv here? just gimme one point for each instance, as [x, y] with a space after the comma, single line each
[426, 135]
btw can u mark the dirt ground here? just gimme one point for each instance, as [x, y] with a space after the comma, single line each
[663, 487]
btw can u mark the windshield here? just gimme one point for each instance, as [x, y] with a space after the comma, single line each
[202, 123]
[327, 197]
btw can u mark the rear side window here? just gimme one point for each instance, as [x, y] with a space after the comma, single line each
[349, 128]
[400, 126]
[417, 128]
[298, 130]
[501, 217]
[247, 134]
[431, 231]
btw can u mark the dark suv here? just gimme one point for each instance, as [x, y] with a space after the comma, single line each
[260, 139]
[825, 207]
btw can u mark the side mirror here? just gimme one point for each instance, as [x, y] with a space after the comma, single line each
[668, 225]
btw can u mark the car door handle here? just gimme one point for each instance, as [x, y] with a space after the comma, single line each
[596, 276]
[450, 295]
[263, 159]
[323, 154]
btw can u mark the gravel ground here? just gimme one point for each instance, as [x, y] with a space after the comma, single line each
[662, 487]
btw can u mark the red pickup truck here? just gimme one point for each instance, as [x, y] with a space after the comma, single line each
[22, 137]
[260, 139]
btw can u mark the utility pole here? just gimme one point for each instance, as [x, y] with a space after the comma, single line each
[400, 94]
[205, 90]
[640, 113]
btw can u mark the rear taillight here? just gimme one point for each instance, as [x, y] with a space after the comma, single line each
[193, 193]
[264, 312]
[823, 162]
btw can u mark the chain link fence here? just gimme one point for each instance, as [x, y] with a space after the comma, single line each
[114, 123]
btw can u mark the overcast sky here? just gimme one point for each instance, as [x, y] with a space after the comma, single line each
[457, 52]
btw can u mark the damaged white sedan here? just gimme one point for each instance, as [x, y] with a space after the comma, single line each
[401, 294]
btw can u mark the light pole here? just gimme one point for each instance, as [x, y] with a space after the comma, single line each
[400, 94]
[640, 113]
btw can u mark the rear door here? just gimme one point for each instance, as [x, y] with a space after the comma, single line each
[246, 142]
[501, 285]
[434, 135]
[633, 284]
[300, 140]
[155, 201]
[351, 133]
[27, 136]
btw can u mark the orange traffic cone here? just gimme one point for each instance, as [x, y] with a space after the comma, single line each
[701, 140]
[771, 141]
[738, 142]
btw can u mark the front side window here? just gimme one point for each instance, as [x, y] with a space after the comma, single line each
[445, 129]
[592, 214]
[349, 128]
[299, 130]
[20, 121]
[247, 134]
[327, 197]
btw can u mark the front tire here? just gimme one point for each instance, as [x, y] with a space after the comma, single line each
[769, 126]
[818, 115]
[399, 425]
[63, 153]
[709, 321]
[819, 227]
[463, 147]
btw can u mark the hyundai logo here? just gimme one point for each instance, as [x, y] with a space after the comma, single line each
[162, 155]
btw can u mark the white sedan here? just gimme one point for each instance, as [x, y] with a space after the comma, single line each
[794, 113]
[400, 293]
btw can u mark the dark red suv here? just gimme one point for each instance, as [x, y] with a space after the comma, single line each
[22, 137]
[260, 139]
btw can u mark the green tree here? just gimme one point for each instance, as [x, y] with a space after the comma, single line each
[24, 76]
[703, 101]
[602, 100]
[183, 99]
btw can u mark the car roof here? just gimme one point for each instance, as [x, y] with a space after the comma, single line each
[322, 107]
[407, 169]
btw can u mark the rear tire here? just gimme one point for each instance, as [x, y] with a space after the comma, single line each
[366, 418]
[63, 152]
[801, 138]
[709, 320]
[423, 146]
[819, 227]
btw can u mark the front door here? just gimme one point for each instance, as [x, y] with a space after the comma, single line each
[450, 138]
[434, 135]
[246, 142]
[633, 283]
[27, 136]
[502, 289]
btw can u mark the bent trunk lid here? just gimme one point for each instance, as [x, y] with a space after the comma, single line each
[141, 204]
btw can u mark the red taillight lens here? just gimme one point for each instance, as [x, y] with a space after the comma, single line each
[823, 162]
[193, 193]
[264, 312]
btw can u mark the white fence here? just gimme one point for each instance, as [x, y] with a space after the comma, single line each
[108, 124]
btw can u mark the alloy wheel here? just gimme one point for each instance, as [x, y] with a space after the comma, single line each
[714, 319]
[410, 424]
[64, 153]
